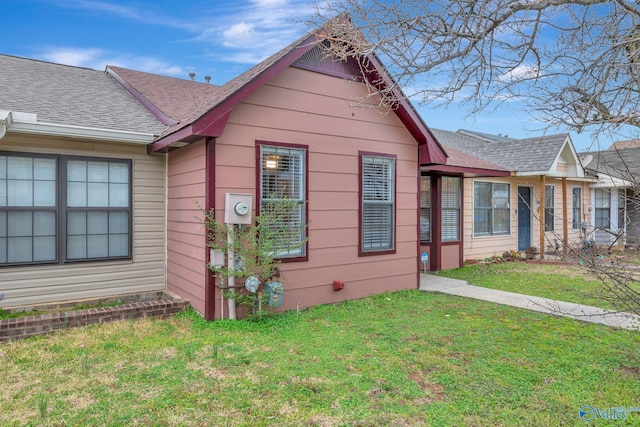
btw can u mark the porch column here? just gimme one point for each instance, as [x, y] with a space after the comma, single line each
[566, 219]
[542, 215]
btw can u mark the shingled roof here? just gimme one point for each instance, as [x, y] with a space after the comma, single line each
[180, 103]
[527, 155]
[75, 96]
[172, 100]
[207, 115]
[621, 163]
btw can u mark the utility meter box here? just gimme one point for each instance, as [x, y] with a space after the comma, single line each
[238, 208]
[275, 292]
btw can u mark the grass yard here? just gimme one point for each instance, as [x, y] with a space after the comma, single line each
[555, 281]
[407, 358]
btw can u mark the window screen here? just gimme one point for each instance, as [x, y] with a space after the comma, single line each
[90, 201]
[378, 203]
[549, 208]
[451, 194]
[576, 203]
[282, 177]
[425, 209]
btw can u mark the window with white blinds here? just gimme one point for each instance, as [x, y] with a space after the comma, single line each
[549, 208]
[56, 209]
[378, 203]
[602, 208]
[451, 200]
[425, 209]
[576, 203]
[283, 177]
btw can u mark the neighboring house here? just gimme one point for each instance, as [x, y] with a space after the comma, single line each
[444, 205]
[133, 178]
[502, 212]
[82, 204]
[615, 215]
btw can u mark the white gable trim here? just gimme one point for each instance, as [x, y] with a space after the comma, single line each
[579, 170]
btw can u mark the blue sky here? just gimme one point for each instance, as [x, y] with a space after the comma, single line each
[220, 38]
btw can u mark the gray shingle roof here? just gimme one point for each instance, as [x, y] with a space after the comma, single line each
[620, 163]
[521, 155]
[66, 95]
[485, 136]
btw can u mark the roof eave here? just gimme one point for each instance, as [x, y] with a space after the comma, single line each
[27, 123]
[467, 171]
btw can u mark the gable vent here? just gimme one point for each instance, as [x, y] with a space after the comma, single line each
[316, 60]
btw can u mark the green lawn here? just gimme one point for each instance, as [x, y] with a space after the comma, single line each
[407, 358]
[555, 281]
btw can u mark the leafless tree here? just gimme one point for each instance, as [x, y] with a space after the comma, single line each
[572, 63]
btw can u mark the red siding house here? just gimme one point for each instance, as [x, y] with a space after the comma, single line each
[294, 106]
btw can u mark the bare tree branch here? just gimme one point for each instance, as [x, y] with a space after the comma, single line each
[574, 63]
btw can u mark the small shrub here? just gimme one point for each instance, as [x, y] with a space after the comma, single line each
[531, 252]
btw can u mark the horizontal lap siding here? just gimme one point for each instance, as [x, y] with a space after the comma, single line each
[185, 233]
[30, 285]
[487, 246]
[301, 107]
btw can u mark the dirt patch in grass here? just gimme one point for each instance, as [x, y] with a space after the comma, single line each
[633, 371]
[434, 392]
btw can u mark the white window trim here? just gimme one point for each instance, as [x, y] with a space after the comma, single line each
[491, 234]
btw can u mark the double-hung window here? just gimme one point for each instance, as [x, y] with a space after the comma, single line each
[622, 209]
[425, 209]
[491, 209]
[451, 202]
[97, 208]
[28, 209]
[283, 193]
[377, 203]
[58, 209]
[602, 208]
[576, 199]
[549, 207]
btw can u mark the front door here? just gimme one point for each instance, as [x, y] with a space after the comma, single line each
[524, 218]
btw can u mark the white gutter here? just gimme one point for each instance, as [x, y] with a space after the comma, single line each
[27, 123]
[554, 175]
[5, 118]
[608, 181]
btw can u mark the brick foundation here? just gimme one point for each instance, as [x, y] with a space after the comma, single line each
[22, 327]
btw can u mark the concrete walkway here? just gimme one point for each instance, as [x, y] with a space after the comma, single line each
[585, 313]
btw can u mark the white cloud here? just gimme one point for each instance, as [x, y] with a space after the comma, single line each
[240, 35]
[237, 31]
[98, 59]
[260, 28]
[521, 72]
[146, 15]
[72, 56]
[269, 3]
